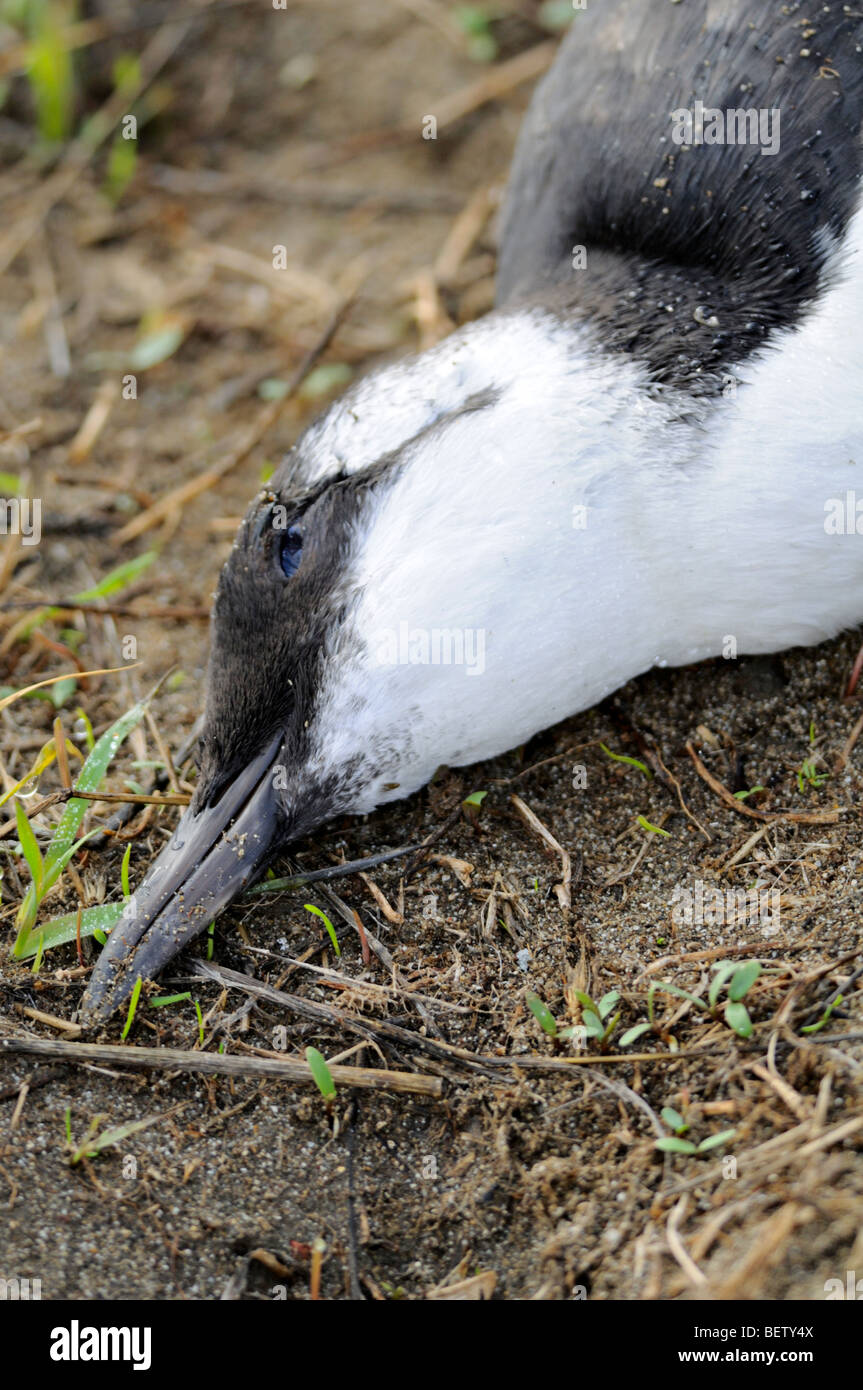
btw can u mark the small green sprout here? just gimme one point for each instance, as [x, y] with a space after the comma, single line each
[654, 829]
[674, 1120]
[739, 980]
[37, 959]
[674, 1144]
[543, 1015]
[595, 1018]
[633, 1034]
[50, 71]
[825, 1017]
[93, 1144]
[46, 870]
[321, 1073]
[631, 762]
[475, 22]
[809, 776]
[162, 1001]
[124, 872]
[133, 1005]
[327, 923]
[742, 796]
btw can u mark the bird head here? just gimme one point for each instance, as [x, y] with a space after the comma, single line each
[395, 600]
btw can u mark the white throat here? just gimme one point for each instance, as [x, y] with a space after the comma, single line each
[582, 528]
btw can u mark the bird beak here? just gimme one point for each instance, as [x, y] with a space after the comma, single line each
[212, 856]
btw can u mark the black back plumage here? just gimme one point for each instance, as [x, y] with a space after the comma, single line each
[695, 256]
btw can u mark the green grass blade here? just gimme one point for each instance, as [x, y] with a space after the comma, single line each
[117, 579]
[630, 762]
[61, 930]
[133, 1006]
[713, 1141]
[124, 871]
[743, 979]
[321, 1072]
[542, 1013]
[671, 1144]
[310, 907]
[90, 779]
[29, 847]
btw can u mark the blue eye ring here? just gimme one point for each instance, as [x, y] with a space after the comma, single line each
[291, 551]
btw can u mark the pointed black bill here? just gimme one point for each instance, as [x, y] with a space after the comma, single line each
[212, 856]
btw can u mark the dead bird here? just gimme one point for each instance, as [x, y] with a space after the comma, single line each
[645, 455]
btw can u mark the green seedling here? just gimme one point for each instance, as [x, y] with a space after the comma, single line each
[323, 381]
[321, 1073]
[95, 922]
[739, 980]
[162, 1001]
[543, 1015]
[472, 806]
[676, 1144]
[654, 829]
[49, 70]
[113, 583]
[121, 166]
[37, 959]
[44, 758]
[475, 22]
[742, 796]
[124, 872]
[133, 1008]
[595, 1018]
[86, 728]
[123, 154]
[631, 762]
[45, 871]
[633, 1034]
[674, 1120]
[809, 776]
[475, 799]
[327, 923]
[825, 1017]
[94, 1144]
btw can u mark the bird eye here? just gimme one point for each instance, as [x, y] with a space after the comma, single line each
[291, 551]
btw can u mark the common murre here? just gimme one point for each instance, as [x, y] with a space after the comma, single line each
[628, 462]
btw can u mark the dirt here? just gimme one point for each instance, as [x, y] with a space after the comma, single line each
[519, 1181]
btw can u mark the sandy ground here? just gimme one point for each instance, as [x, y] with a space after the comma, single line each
[529, 1176]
